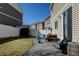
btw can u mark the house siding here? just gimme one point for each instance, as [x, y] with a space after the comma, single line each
[9, 21]
[40, 26]
[16, 6]
[7, 12]
[75, 22]
[32, 30]
[8, 31]
[47, 22]
[32, 26]
[35, 27]
[56, 8]
[57, 15]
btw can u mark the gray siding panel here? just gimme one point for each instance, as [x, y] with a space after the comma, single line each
[9, 21]
[6, 8]
[15, 18]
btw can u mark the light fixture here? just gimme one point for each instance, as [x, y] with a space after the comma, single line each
[0, 7]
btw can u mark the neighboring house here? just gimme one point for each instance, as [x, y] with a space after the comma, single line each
[47, 23]
[32, 28]
[35, 27]
[39, 25]
[10, 19]
[65, 21]
[43, 27]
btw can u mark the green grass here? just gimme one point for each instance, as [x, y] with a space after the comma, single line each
[16, 47]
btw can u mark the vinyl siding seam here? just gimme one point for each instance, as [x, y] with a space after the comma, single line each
[10, 16]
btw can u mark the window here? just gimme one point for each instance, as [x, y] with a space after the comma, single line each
[56, 25]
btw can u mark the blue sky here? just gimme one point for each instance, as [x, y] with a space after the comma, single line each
[34, 12]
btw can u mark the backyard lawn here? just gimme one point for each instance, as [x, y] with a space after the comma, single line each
[16, 47]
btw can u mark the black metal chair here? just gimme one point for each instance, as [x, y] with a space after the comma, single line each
[63, 45]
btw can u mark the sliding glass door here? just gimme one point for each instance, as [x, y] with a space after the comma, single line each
[67, 24]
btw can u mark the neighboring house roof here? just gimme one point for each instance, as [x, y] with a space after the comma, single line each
[41, 21]
[36, 23]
